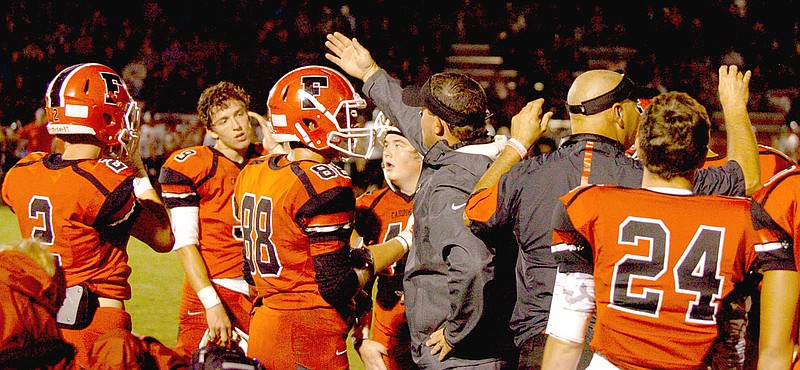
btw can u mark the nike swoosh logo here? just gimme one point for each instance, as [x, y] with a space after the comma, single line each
[190, 313]
[340, 353]
[457, 207]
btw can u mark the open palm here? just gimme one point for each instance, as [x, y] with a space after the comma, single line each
[349, 55]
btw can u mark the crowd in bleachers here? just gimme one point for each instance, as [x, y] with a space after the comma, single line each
[169, 51]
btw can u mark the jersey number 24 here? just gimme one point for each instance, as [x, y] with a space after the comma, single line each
[695, 273]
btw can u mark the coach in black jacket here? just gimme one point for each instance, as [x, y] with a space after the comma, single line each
[459, 291]
[604, 115]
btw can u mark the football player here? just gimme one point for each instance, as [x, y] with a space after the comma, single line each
[380, 216]
[197, 187]
[296, 212]
[781, 199]
[86, 202]
[737, 345]
[656, 263]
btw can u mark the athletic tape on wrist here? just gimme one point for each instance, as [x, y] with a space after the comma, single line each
[405, 238]
[208, 297]
[141, 185]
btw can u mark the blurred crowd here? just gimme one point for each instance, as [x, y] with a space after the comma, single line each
[169, 51]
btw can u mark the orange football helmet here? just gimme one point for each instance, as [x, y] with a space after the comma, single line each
[91, 98]
[317, 106]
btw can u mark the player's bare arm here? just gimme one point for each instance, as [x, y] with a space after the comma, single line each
[779, 294]
[152, 226]
[219, 324]
[741, 140]
[560, 355]
[387, 253]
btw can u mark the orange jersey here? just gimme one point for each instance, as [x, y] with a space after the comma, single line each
[203, 177]
[291, 212]
[662, 265]
[780, 198]
[380, 216]
[771, 161]
[83, 211]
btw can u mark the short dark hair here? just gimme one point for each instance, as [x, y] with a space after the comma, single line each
[463, 94]
[673, 138]
[215, 97]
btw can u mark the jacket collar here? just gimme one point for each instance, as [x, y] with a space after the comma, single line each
[577, 138]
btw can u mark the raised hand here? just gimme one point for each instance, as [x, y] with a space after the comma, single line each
[733, 86]
[350, 56]
[131, 156]
[529, 124]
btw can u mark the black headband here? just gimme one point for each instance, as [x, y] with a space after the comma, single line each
[416, 96]
[624, 90]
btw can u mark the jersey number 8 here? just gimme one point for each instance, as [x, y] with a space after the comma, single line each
[259, 251]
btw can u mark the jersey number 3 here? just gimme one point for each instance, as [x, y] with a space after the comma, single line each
[695, 273]
[259, 251]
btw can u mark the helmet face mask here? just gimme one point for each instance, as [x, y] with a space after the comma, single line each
[92, 99]
[318, 107]
[384, 126]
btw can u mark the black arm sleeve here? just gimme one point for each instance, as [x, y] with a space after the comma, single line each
[337, 281]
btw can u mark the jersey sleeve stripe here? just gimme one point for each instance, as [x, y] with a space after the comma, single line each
[171, 177]
[767, 247]
[326, 229]
[339, 199]
[178, 195]
[321, 234]
[117, 206]
[562, 247]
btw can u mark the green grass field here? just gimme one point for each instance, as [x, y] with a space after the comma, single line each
[155, 283]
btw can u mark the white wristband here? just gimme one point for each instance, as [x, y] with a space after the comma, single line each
[141, 185]
[518, 147]
[405, 238]
[208, 296]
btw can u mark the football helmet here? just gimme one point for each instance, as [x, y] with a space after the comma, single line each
[317, 106]
[384, 126]
[91, 98]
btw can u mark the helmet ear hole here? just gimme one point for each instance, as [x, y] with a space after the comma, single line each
[311, 124]
[107, 118]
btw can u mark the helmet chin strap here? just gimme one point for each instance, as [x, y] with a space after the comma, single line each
[389, 182]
